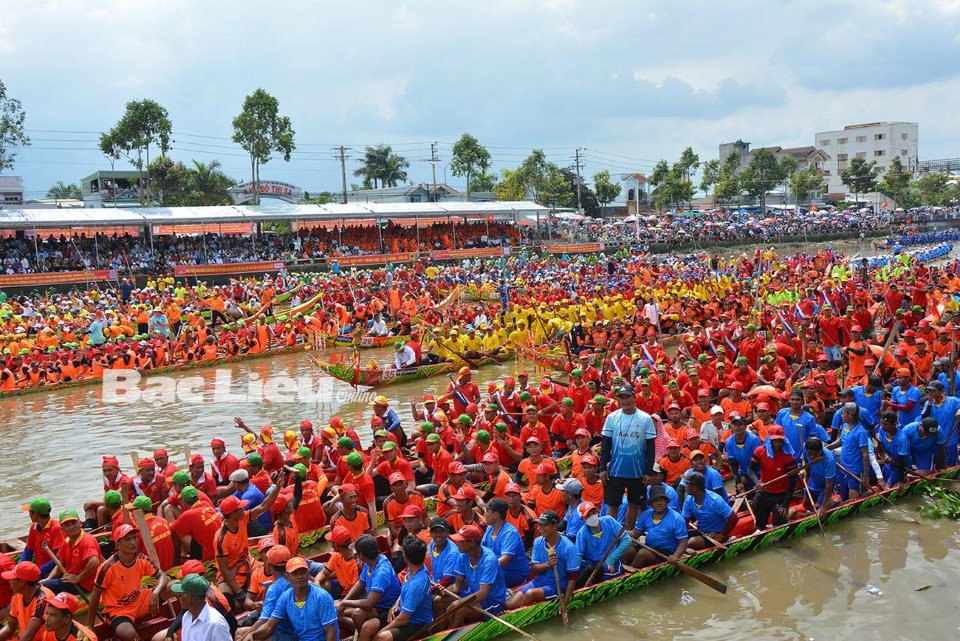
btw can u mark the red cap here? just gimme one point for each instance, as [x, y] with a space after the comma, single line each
[297, 563]
[305, 424]
[585, 508]
[856, 328]
[217, 441]
[509, 381]
[278, 555]
[456, 467]
[673, 443]
[412, 512]
[822, 358]
[690, 433]
[513, 487]
[145, 463]
[25, 571]
[703, 394]
[590, 459]
[265, 543]
[582, 432]
[763, 406]
[467, 533]
[231, 504]
[673, 406]
[472, 408]
[346, 488]
[122, 531]
[280, 504]
[110, 461]
[65, 601]
[339, 535]
[159, 453]
[490, 457]
[736, 385]
[396, 477]
[376, 420]
[532, 439]
[427, 398]
[465, 493]
[776, 431]
[196, 458]
[192, 567]
[909, 332]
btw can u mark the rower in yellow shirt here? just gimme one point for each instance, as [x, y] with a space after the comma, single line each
[519, 336]
[472, 343]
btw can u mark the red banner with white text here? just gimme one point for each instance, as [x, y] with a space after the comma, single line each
[232, 268]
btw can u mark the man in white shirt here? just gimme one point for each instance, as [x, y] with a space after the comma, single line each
[404, 356]
[379, 327]
[200, 621]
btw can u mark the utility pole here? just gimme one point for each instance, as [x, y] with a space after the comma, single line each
[341, 155]
[577, 163]
[433, 162]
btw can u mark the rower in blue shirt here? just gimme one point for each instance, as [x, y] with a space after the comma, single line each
[443, 554]
[894, 449]
[571, 491]
[798, 425]
[477, 572]
[375, 592]
[553, 556]
[594, 539]
[821, 475]
[945, 409]
[666, 531]
[713, 479]
[714, 517]
[277, 558]
[738, 450]
[854, 453]
[506, 543]
[305, 606]
[926, 442]
[906, 398]
[415, 608]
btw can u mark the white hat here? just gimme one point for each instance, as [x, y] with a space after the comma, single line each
[716, 409]
[238, 476]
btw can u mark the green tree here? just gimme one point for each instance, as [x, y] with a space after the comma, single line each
[728, 180]
[323, 198]
[606, 190]
[932, 188]
[63, 191]
[469, 158]
[483, 181]
[380, 167]
[394, 169]
[144, 123]
[761, 175]
[208, 185]
[686, 167]
[860, 177]
[710, 175]
[788, 167]
[803, 182]
[896, 181]
[12, 136]
[556, 189]
[511, 185]
[170, 180]
[261, 131]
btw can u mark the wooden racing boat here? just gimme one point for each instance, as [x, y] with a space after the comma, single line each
[364, 341]
[378, 377]
[744, 540]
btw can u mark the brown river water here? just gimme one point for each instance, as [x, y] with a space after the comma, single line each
[876, 576]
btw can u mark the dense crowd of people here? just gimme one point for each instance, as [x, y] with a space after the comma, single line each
[796, 384]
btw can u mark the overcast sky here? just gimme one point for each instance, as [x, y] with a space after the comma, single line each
[631, 81]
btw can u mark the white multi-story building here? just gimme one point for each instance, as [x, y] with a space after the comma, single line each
[872, 141]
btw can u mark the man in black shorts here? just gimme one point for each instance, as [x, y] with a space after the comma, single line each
[626, 455]
[414, 611]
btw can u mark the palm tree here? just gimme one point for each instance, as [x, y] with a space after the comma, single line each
[63, 191]
[210, 185]
[373, 163]
[394, 170]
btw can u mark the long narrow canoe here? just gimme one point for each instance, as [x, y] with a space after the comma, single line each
[383, 377]
[585, 597]
[167, 369]
[364, 342]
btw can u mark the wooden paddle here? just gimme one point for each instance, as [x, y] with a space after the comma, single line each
[479, 610]
[450, 349]
[562, 596]
[709, 581]
[709, 539]
[813, 505]
[603, 559]
[470, 600]
[795, 470]
[886, 346]
[881, 495]
[135, 458]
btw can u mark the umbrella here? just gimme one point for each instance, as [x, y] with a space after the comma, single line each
[769, 390]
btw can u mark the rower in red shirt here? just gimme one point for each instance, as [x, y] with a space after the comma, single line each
[770, 462]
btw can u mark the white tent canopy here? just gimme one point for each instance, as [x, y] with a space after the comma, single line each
[60, 218]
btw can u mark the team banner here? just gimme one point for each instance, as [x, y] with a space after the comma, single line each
[577, 248]
[233, 268]
[374, 259]
[57, 278]
[485, 252]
